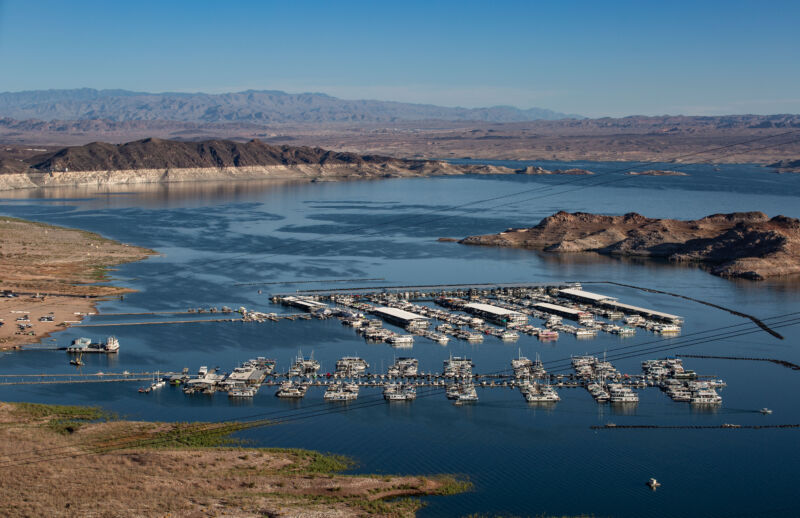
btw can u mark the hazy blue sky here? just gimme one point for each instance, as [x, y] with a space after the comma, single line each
[593, 58]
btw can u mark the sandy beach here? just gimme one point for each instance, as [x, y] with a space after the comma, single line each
[47, 276]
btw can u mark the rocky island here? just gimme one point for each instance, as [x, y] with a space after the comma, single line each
[742, 244]
[540, 170]
[655, 172]
[786, 166]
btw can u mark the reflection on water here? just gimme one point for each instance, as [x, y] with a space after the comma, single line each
[705, 409]
[161, 194]
[523, 459]
[623, 408]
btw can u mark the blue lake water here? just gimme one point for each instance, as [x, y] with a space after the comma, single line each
[523, 460]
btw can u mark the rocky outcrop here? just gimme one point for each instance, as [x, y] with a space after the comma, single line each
[540, 170]
[786, 166]
[741, 244]
[656, 172]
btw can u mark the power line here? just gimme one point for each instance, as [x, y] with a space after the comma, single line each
[397, 221]
[557, 363]
[712, 330]
[550, 187]
[679, 344]
[304, 414]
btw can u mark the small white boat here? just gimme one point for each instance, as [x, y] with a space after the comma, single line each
[242, 392]
[653, 484]
[765, 411]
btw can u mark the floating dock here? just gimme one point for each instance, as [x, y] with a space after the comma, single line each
[496, 314]
[400, 317]
[306, 304]
[584, 296]
[429, 290]
[648, 313]
[563, 311]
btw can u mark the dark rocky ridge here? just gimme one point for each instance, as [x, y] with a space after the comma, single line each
[154, 160]
[154, 153]
[741, 244]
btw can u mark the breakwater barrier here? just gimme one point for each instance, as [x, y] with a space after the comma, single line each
[724, 426]
[782, 363]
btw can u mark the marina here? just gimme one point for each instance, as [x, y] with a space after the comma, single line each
[460, 312]
[403, 378]
[501, 429]
[511, 307]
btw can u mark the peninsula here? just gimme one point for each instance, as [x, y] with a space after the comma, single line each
[48, 276]
[742, 244]
[96, 465]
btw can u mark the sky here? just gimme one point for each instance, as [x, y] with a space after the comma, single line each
[594, 58]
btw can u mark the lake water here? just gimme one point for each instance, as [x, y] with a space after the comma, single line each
[523, 460]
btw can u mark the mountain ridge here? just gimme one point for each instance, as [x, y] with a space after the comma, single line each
[263, 106]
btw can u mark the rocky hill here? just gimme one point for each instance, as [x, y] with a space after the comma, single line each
[264, 107]
[152, 153]
[154, 160]
[741, 244]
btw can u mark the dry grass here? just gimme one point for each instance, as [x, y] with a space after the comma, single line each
[60, 262]
[178, 479]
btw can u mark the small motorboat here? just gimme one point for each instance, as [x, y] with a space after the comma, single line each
[653, 484]
[77, 361]
[765, 411]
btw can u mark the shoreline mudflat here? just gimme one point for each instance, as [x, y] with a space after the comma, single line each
[49, 271]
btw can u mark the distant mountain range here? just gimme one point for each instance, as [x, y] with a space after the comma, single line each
[261, 107]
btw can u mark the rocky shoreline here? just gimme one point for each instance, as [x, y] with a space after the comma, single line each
[106, 178]
[747, 245]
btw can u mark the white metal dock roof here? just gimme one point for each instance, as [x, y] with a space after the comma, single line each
[304, 302]
[637, 309]
[555, 307]
[399, 313]
[587, 295]
[493, 310]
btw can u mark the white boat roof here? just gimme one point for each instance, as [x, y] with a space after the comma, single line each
[399, 313]
[243, 374]
[587, 295]
[492, 310]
